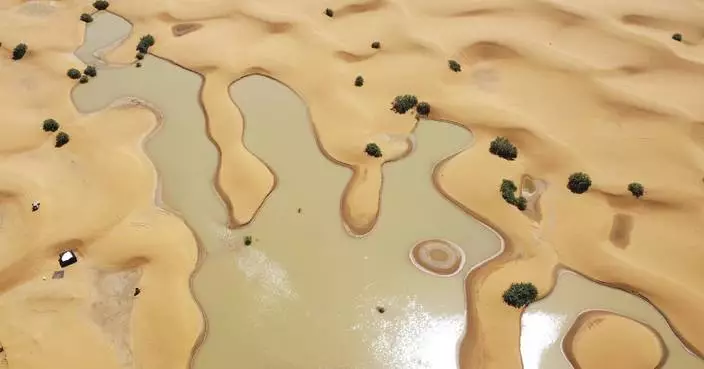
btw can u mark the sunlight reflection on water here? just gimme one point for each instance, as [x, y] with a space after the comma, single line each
[539, 330]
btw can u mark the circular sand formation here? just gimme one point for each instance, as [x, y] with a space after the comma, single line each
[438, 257]
[605, 340]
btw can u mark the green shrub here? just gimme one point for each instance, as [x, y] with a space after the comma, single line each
[636, 189]
[101, 4]
[521, 203]
[423, 108]
[247, 240]
[454, 65]
[359, 81]
[329, 12]
[579, 182]
[376, 45]
[50, 125]
[62, 138]
[145, 42]
[139, 56]
[521, 294]
[138, 65]
[508, 193]
[373, 149]
[86, 17]
[19, 51]
[90, 71]
[403, 103]
[677, 37]
[83, 79]
[73, 73]
[503, 148]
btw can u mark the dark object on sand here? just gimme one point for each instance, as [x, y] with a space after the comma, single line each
[67, 258]
[137, 291]
[380, 309]
[677, 37]
[247, 240]
[329, 12]
[59, 274]
[376, 45]
[35, 206]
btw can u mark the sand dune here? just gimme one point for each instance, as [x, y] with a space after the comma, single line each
[599, 87]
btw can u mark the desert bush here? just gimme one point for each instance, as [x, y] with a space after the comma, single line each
[503, 148]
[521, 203]
[138, 65]
[373, 149]
[404, 103]
[101, 4]
[423, 108]
[83, 79]
[359, 81]
[376, 45]
[508, 190]
[73, 73]
[50, 125]
[636, 189]
[521, 294]
[19, 51]
[139, 56]
[90, 71]
[86, 17]
[247, 240]
[454, 65]
[62, 138]
[579, 182]
[145, 42]
[329, 12]
[677, 37]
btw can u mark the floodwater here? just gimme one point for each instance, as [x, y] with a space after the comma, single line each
[304, 294]
[545, 323]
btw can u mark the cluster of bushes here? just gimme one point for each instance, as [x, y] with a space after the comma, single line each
[580, 182]
[503, 148]
[508, 193]
[521, 294]
[373, 149]
[51, 125]
[19, 51]
[74, 73]
[403, 103]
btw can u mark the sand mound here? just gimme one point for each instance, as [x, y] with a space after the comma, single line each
[438, 257]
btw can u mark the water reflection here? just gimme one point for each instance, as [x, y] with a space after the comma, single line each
[539, 330]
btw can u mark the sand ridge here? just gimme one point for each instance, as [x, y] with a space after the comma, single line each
[581, 67]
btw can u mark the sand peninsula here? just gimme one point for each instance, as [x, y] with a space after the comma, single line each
[597, 102]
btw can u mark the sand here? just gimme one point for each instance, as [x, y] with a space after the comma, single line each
[579, 86]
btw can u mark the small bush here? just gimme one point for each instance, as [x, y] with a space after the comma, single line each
[73, 73]
[521, 294]
[62, 138]
[101, 4]
[454, 65]
[139, 56]
[636, 189]
[90, 71]
[403, 103]
[423, 108]
[376, 45]
[19, 51]
[521, 203]
[83, 79]
[138, 65]
[145, 42]
[503, 148]
[86, 17]
[373, 149]
[508, 193]
[329, 12]
[579, 182]
[247, 240]
[677, 37]
[359, 81]
[50, 125]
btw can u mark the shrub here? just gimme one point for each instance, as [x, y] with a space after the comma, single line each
[86, 17]
[19, 51]
[359, 81]
[521, 294]
[73, 73]
[636, 189]
[139, 56]
[677, 37]
[62, 138]
[145, 42]
[329, 12]
[50, 125]
[521, 203]
[373, 149]
[247, 240]
[403, 103]
[83, 79]
[101, 4]
[376, 45]
[423, 108]
[138, 65]
[503, 148]
[90, 71]
[508, 189]
[579, 182]
[454, 65]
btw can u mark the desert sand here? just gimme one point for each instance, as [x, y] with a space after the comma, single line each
[598, 87]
